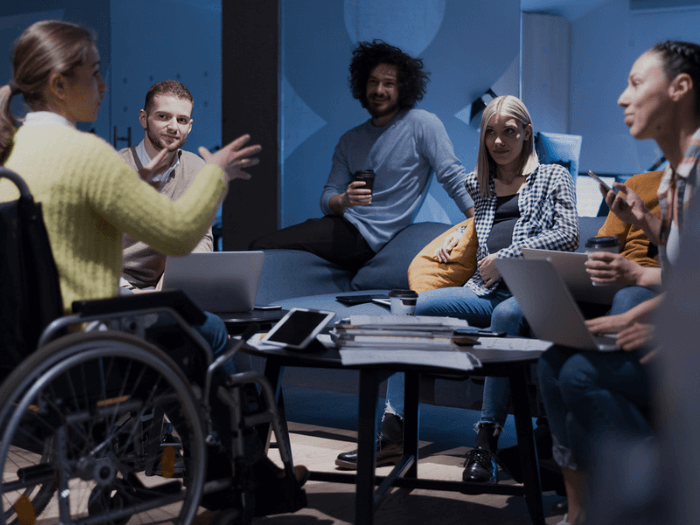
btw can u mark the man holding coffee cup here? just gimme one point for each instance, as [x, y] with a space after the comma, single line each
[381, 169]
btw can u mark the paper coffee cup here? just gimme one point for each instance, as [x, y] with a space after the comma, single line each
[602, 244]
[403, 302]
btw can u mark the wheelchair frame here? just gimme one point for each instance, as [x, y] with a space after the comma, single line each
[81, 420]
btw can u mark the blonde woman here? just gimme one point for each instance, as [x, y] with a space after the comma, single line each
[518, 203]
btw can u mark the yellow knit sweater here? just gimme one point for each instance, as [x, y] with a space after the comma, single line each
[90, 197]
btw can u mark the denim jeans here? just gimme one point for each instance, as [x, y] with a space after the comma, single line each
[629, 297]
[458, 302]
[509, 318]
[589, 393]
[214, 332]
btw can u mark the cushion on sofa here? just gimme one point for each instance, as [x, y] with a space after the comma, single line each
[588, 227]
[294, 273]
[427, 273]
[388, 269]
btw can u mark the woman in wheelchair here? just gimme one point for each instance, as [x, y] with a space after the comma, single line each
[80, 418]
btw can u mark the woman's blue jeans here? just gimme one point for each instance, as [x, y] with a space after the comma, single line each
[458, 302]
[214, 332]
[509, 318]
[589, 393]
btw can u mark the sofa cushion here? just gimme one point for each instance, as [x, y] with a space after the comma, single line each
[588, 227]
[388, 269]
[294, 273]
[427, 273]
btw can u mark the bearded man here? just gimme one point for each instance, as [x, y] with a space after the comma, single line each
[401, 144]
[167, 121]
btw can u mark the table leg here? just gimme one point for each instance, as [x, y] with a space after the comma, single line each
[273, 372]
[411, 429]
[366, 451]
[526, 446]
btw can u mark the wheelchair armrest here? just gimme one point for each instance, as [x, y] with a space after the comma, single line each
[175, 299]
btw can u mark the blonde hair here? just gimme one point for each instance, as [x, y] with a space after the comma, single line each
[512, 107]
[42, 49]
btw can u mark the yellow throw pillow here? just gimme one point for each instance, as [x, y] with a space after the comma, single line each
[426, 273]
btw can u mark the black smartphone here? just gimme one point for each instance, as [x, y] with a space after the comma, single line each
[350, 300]
[264, 307]
[478, 332]
[600, 181]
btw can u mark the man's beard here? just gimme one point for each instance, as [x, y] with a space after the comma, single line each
[158, 142]
[380, 113]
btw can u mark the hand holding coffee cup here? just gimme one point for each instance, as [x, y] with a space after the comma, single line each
[602, 244]
[360, 191]
[366, 176]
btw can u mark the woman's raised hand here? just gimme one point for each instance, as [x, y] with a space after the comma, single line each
[626, 204]
[442, 254]
[234, 157]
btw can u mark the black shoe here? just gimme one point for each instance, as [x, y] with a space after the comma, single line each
[277, 493]
[388, 453]
[480, 467]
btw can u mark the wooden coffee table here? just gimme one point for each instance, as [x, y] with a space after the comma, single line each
[513, 364]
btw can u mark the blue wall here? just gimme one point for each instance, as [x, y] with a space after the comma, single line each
[167, 39]
[140, 43]
[15, 17]
[466, 50]
[606, 42]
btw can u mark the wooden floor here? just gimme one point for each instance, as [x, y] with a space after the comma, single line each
[322, 426]
[333, 503]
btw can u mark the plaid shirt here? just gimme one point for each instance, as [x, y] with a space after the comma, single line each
[548, 218]
[686, 181]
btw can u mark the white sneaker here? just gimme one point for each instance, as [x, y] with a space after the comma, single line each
[565, 521]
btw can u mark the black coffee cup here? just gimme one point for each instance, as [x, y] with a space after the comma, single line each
[403, 302]
[603, 244]
[366, 176]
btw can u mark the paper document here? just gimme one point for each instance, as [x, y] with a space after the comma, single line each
[406, 321]
[513, 343]
[454, 360]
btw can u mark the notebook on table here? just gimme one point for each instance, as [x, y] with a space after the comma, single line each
[224, 283]
[570, 266]
[549, 306]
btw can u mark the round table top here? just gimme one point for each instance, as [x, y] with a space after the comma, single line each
[321, 356]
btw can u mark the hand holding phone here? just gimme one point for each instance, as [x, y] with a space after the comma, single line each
[623, 202]
[600, 181]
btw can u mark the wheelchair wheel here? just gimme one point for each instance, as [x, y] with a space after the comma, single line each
[77, 435]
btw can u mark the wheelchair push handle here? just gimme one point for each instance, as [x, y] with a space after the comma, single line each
[16, 180]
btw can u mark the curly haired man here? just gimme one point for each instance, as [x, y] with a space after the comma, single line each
[401, 144]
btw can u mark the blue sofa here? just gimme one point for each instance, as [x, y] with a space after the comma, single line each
[293, 278]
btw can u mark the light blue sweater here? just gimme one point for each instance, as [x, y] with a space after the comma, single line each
[403, 153]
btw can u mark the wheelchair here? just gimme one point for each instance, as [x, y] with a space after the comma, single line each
[113, 420]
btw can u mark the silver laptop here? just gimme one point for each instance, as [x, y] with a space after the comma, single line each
[570, 266]
[216, 281]
[548, 305]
